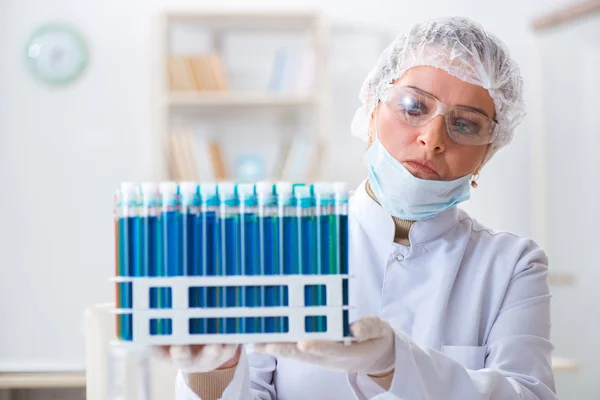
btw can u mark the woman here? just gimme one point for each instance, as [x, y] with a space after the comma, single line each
[445, 308]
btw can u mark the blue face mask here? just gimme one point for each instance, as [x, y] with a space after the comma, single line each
[405, 196]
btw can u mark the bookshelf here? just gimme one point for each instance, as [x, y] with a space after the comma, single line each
[205, 81]
[239, 99]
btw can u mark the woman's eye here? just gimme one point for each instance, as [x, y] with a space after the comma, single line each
[466, 126]
[412, 106]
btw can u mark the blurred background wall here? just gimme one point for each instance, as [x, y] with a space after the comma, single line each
[63, 150]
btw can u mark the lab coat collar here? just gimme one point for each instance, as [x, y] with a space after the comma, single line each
[378, 223]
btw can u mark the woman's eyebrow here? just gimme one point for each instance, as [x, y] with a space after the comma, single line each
[476, 109]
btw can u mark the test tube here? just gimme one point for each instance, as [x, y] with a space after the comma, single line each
[191, 230]
[211, 252]
[118, 251]
[126, 215]
[150, 221]
[341, 212]
[326, 240]
[249, 238]
[307, 240]
[269, 246]
[326, 234]
[116, 216]
[288, 229]
[171, 221]
[306, 233]
[229, 221]
[170, 265]
[288, 242]
[137, 235]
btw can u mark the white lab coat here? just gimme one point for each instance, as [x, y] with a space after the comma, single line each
[470, 307]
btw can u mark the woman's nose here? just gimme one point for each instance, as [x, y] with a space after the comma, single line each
[433, 135]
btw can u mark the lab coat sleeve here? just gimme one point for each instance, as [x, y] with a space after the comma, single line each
[518, 351]
[253, 379]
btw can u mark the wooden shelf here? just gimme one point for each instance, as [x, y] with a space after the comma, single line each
[36, 380]
[562, 364]
[565, 15]
[187, 99]
[247, 20]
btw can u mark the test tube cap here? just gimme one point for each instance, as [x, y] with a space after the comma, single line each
[128, 192]
[127, 186]
[226, 190]
[323, 188]
[208, 190]
[149, 188]
[283, 188]
[323, 192]
[264, 188]
[246, 194]
[246, 189]
[302, 192]
[168, 188]
[150, 192]
[208, 194]
[188, 188]
[341, 190]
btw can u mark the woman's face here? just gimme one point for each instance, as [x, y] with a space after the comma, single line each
[427, 151]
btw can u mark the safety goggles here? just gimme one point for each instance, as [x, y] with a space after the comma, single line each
[416, 108]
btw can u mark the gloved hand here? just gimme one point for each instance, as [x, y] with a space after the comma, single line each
[199, 358]
[371, 352]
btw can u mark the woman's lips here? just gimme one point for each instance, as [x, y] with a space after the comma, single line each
[419, 167]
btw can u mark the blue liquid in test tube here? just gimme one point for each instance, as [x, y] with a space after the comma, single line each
[211, 251]
[170, 221]
[127, 210]
[269, 257]
[326, 239]
[327, 242]
[341, 212]
[307, 240]
[249, 257]
[306, 236]
[151, 244]
[229, 230]
[288, 237]
[306, 231]
[190, 230]
[137, 235]
[127, 201]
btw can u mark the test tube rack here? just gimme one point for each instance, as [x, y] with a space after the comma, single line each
[201, 263]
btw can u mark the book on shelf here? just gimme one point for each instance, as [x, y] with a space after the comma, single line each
[181, 156]
[302, 159]
[192, 158]
[293, 71]
[282, 155]
[216, 157]
[180, 74]
[198, 72]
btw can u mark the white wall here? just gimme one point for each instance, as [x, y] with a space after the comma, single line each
[571, 129]
[108, 116]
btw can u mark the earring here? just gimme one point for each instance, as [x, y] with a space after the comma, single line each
[474, 179]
